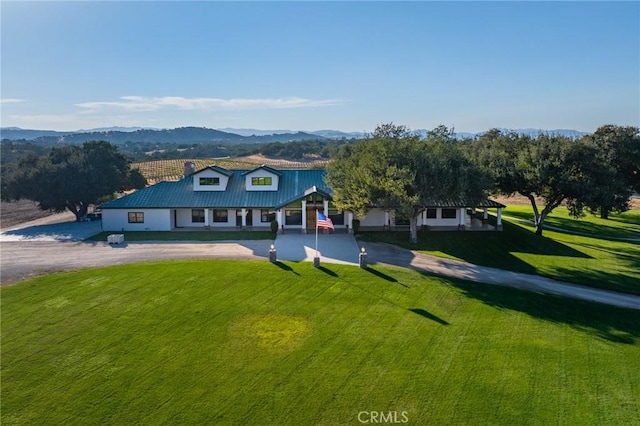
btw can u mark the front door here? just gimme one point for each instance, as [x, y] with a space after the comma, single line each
[311, 217]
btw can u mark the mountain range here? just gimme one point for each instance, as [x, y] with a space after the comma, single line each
[120, 135]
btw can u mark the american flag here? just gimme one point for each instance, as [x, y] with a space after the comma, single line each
[324, 221]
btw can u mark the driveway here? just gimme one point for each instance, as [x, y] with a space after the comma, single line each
[51, 229]
[37, 250]
[380, 253]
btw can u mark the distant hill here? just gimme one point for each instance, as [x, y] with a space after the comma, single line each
[15, 133]
[529, 132]
[179, 135]
[255, 132]
[337, 134]
[182, 135]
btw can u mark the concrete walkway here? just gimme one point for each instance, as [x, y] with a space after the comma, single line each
[332, 248]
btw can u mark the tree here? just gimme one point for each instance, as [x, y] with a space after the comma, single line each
[73, 177]
[394, 170]
[617, 172]
[552, 168]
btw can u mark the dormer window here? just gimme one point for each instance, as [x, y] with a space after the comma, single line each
[210, 181]
[261, 181]
[262, 178]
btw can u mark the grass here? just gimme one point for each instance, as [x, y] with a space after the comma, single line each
[206, 342]
[187, 235]
[597, 261]
[618, 226]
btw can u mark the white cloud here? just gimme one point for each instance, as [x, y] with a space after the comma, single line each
[10, 100]
[141, 104]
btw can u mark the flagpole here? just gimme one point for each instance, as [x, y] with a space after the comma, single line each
[316, 232]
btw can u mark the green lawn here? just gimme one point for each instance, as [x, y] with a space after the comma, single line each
[208, 342]
[619, 226]
[600, 260]
[187, 235]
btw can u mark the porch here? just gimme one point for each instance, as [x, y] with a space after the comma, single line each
[471, 224]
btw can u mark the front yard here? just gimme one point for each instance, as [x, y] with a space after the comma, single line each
[230, 342]
[600, 260]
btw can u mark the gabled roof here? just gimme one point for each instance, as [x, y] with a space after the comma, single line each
[313, 190]
[180, 194]
[218, 169]
[263, 167]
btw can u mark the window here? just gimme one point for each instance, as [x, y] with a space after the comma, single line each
[267, 216]
[197, 215]
[210, 181]
[220, 215]
[431, 213]
[336, 217]
[449, 213]
[293, 217]
[261, 181]
[402, 220]
[136, 217]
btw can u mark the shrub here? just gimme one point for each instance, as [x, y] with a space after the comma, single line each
[356, 225]
[274, 226]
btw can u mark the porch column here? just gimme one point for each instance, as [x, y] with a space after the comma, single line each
[463, 214]
[206, 218]
[485, 215]
[499, 220]
[387, 225]
[326, 207]
[350, 221]
[279, 220]
[304, 217]
[244, 218]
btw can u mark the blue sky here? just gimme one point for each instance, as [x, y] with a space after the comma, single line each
[320, 65]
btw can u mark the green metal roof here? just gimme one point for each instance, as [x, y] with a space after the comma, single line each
[293, 185]
[263, 167]
[218, 169]
[461, 202]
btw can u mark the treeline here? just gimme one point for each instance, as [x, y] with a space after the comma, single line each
[396, 169]
[13, 151]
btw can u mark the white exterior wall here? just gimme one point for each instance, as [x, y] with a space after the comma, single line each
[183, 217]
[261, 173]
[154, 220]
[374, 217]
[439, 221]
[231, 218]
[210, 173]
[256, 219]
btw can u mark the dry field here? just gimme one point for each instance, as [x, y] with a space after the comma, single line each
[16, 212]
[169, 170]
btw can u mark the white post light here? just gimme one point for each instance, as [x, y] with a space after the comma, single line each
[272, 253]
[363, 258]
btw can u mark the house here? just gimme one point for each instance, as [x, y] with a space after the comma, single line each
[218, 198]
